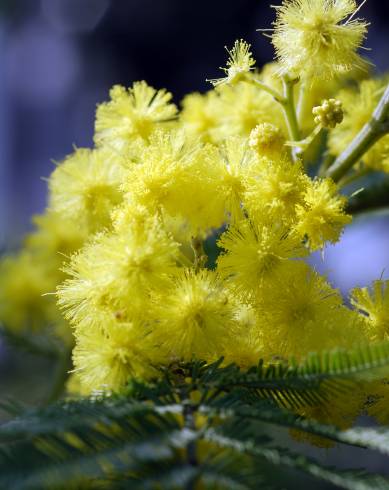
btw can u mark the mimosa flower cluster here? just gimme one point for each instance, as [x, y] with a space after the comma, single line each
[125, 237]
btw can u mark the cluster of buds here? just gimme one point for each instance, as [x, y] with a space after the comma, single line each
[266, 138]
[329, 113]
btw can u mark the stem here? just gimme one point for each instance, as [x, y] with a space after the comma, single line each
[301, 103]
[328, 160]
[200, 257]
[289, 109]
[277, 96]
[286, 100]
[375, 129]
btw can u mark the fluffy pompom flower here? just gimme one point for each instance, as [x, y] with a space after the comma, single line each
[318, 38]
[255, 253]
[274, 187]
[131, 114]
[239, 64]
[358, 109]
[241, 107]
[113, 276]
[180, 178]
[267, 139]
[85, 187]
[302, 313]
[24, 280]
[55, 239]
[246, 347]
[199, 115]
[197, 317]
[236, 160]
[106, 360]
[374, 305]
[321, 217]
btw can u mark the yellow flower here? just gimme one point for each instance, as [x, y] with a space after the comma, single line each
[267, 139]
[112, 276]
[358, 109]
[241, 107]
[85, 187]
[55, 239]
[180, 178]
[274, 187]
[246, 347]
[318, 38]
[302, 313]
[377, 396]
[132, 114]
[239, 63]
[321, 217]
[199, 115]
[255, 253]
[374, 306]
[106, 360]
[237, 159]
[196, 317]
[24, 280]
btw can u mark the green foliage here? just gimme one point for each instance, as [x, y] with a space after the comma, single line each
[200, 424]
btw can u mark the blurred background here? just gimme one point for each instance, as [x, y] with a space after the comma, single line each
[60, 57]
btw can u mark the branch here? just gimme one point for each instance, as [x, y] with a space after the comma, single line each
[376, 128]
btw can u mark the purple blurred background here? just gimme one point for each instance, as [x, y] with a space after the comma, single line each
[60, 57]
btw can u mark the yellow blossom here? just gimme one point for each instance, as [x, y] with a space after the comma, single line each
[318, 38]
[179, 177]
[255, 253]
[196, 317]
[24, 280]
[199, 115]
[321, 217]
[374, 306]
[267, 139]
[85, 187]
[274, 187]
[239, 63]
[107, 359]
[132, 114]
[302, 313]
[113, 275]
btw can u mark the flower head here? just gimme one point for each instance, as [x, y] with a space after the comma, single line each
[108, 359]
[113, 275]
[274, 187]
[196, 317]
[255, 253]
[86, 186]
[321, 217]
[302, 313]
[329, 113]
[318, 38]
[374, 305]
[239, 64]
[132, 114]
[267, 139]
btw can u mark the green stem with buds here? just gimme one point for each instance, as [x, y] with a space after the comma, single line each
[375, 129]
[286, 100]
